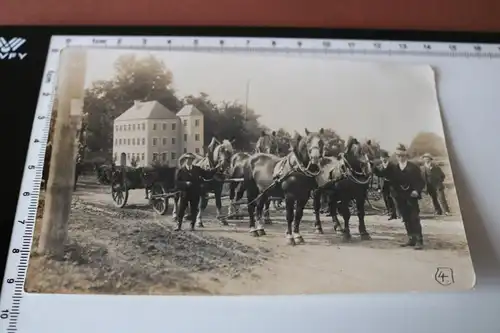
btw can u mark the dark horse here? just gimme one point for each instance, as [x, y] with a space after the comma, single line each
[344, 179]
[291, 177]
[218, 157]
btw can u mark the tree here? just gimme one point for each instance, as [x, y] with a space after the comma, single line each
[427, 142]
[144, 79]
[334, 144]
[227, 120]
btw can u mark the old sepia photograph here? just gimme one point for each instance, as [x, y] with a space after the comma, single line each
[203, 173]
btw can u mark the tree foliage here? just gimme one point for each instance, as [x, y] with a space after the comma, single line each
[427, 142]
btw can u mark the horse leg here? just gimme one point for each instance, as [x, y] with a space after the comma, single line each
[232, 193]
[239, 196]
[260, 218]
[333, 204]
[289, 208]
[252, 193]
[218, 204]
[201, 207]
[267, 215]
[176, 204]
[346, 215]
[299, 212]
[317, 211]
[360, 206]
[146, 192]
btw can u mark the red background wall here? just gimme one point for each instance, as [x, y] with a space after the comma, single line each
[478, 15]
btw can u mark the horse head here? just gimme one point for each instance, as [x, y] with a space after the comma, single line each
[359, 156]
[309, 148]
[222, 153]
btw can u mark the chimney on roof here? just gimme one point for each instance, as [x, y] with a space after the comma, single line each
[137, 102]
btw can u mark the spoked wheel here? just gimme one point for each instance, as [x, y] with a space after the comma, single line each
[352, 207]
[374, 195]
[160, 205]
[119, 193]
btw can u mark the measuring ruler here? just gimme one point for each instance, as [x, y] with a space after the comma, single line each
[20, 247]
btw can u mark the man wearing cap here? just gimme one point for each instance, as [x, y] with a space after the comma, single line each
[408, 184]
[385, 185]
[189, 181]
[434, 178]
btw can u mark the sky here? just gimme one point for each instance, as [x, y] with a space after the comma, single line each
[389, 102]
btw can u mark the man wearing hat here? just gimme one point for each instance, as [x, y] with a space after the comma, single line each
[434, 178]
[408, 184]
[385, 186]
[189, 181]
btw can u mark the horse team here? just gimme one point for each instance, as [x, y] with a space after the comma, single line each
[303, 173]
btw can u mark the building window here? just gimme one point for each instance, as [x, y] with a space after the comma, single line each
[185, 122]
[173, 141]
[116, 142]
[197, 122]
[154, 127]
[128, 127]
[143, 141]
[173, 127]
[185, 137]
[172, 155]
[185, 150]
[119, 141]
[163, 157]
[128, 142]
[197, 150]
[116, 128]
[155, 141]
[142, 157]
[133, 142]
[164, 141]
[164, 126]
[138, 140]
[133, 156]
[143, 126]
[155, 156]
[133, 127]
[196, 137]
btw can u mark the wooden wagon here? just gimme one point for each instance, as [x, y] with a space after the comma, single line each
[157, 181]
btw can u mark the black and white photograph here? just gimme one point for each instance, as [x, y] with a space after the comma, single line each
[212, 173]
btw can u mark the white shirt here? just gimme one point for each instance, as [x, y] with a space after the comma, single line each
[385, 164]
[189, 167]
[428, 165]
[402, 165]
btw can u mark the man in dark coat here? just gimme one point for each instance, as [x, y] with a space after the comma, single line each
[189, 181]
[434, 178]
[408, 184]
[385, 186]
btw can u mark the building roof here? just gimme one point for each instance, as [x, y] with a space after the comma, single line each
[146, 110]
[189, 110]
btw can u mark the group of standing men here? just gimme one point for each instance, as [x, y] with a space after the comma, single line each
[403, 184]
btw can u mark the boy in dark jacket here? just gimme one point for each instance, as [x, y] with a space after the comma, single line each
[434, 183]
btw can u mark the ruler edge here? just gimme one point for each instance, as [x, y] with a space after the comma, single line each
[57, 44]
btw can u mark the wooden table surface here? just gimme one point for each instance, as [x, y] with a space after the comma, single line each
[452, 15]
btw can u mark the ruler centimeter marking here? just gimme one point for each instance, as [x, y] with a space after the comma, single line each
[22, 234]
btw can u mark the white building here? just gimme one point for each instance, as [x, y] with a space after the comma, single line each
[149, 132]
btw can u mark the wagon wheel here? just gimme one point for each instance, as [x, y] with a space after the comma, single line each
[374, 195]
[160, 205]
[119, 193]
[352, 207]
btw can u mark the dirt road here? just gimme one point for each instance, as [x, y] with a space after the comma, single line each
[134, 251]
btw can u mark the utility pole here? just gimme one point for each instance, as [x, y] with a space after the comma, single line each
[59, 190]
[247, 93]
